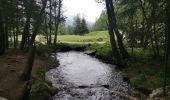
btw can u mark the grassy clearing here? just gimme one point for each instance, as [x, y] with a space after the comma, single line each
[90, 37]
[98, 36]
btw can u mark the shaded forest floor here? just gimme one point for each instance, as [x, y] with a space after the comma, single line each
[11, 66]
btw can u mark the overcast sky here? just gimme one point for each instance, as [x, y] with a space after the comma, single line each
[88, 8]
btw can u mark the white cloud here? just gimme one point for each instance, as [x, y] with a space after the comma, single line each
[88, 8]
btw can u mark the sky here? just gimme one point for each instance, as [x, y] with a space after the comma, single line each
[86, 8]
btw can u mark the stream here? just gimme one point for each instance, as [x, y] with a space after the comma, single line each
[82, 77]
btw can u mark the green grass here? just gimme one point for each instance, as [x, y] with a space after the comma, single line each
[90, 37]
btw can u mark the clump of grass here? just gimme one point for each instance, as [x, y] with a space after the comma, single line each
[103, 51]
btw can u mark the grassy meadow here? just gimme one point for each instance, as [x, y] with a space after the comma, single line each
[98, 36]
[90, 37]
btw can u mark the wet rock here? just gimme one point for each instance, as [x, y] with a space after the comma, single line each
[106, 86]
[100, 39]
[90, 52]
[158, 93]
[3, 98]
[82, 87]
[126, 79]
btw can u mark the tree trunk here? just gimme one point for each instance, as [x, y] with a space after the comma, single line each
[154, 3]
[26, 31]
[50, 23]
[26, 75]
[38, 23]
[123, 51]
[6, 33]
[115, 51]
[167, 40]
[111, 13]
[2, 35]
[14, 36]
[46, 27]
[57, 21]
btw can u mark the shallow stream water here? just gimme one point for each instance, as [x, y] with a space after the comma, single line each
[82, 77]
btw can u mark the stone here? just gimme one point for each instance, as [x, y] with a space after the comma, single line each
[90, 52]
[82, 87]
[158, 93]
[126, 79]
[106, 86]
[3, 98]
[100, 39]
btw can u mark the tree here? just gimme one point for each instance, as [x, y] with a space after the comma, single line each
[77, 25]
[80, 26]
[2, 35]
[84, 28]
[101, 23]
[57, 19]
[25, 34]
[115, 51]
[167, 40]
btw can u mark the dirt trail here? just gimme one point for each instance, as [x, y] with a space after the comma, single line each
[11, 67]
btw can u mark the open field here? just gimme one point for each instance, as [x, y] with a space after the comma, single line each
[99, 36]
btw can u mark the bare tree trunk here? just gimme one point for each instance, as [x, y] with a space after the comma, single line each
[2, 35]
[26, 75]
[38, 23]
[14, 36]
[167, 40]
[154, 3]
[46, 27]
[57, 21]
[50, 23]
[122, 49]
[6, 33]
[115, 51]
[17, 23]
[26, 31]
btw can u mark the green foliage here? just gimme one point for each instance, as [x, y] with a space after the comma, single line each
[101, 23]
[80, 26]
[42, 50]
[103, 51]
[62, 29]
[70, 30]
[40, 87]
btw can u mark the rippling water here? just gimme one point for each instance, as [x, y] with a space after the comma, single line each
[82, 77]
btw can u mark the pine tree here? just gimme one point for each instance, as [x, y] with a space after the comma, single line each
[77, 25]
[84, 28]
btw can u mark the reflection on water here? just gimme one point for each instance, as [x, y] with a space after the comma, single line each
[82, 77]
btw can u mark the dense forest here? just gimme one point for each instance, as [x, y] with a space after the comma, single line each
[138, 31]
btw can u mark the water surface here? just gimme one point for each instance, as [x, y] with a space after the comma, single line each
[82, 77]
